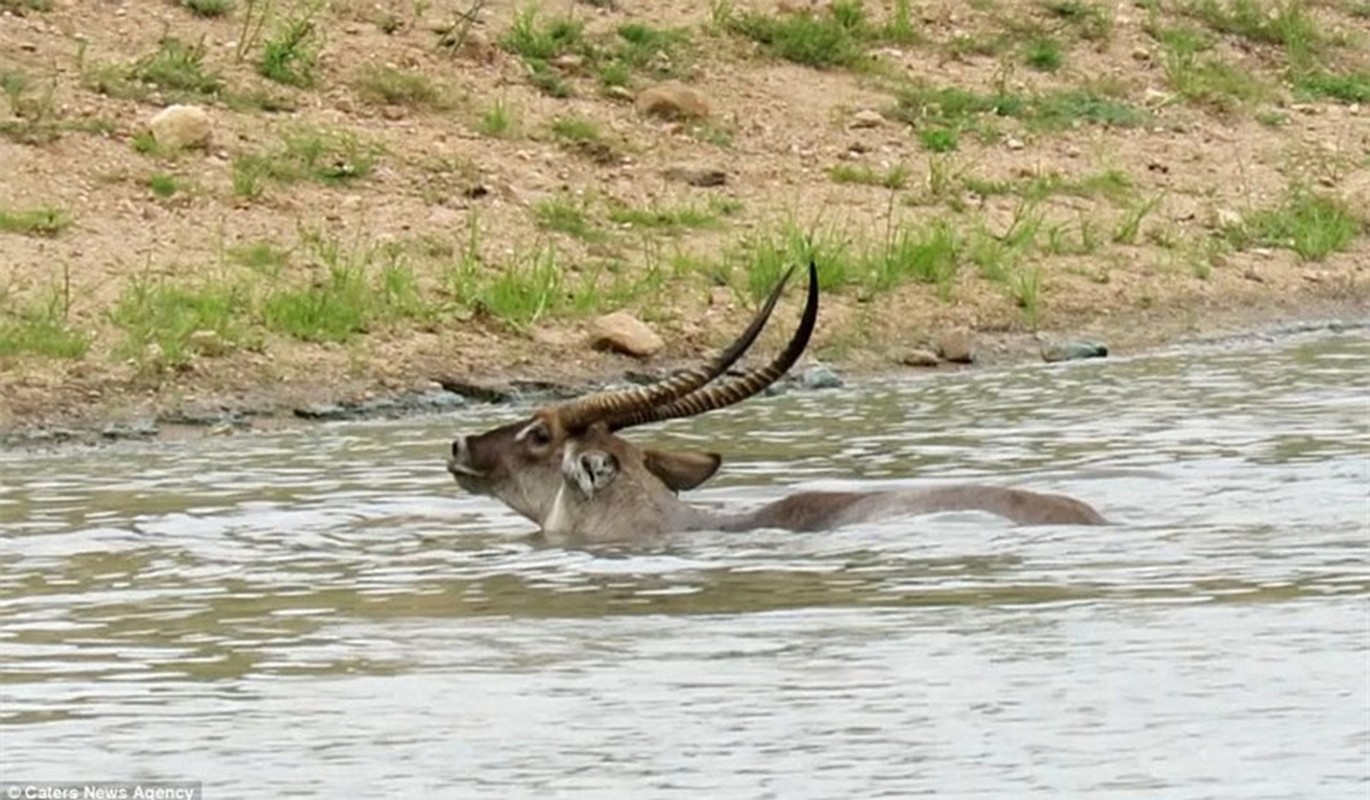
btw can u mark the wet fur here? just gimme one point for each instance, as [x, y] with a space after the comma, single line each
[635, 504]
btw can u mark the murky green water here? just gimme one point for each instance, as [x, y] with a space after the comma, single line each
[322, 610]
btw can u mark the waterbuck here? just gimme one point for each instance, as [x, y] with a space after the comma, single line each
[566, 469]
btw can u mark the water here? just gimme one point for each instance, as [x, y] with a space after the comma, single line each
[321, 610]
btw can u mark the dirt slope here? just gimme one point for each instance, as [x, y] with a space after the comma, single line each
[424, 189]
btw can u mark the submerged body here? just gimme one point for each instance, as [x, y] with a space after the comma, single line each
[566, 469]
[609, 493]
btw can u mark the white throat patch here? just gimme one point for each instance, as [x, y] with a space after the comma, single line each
[558, 519]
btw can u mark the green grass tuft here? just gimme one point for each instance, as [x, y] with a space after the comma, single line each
[519, 292]
[669, 219]
[333, 311]
[18, 7]
[926, 253]
[163, 185]
[1284, 23]
[939, 140]
[322, 156]
[951, 108]
[42, 329]
[290, 54]
[208, 8]
[385, 85]
[1044, 54]
[167, 315]
[498, 121]
[894, 178]
[1312, 225]
[823, 40]
[179, 68]
[46, 222]
[1202, 78]
[1348, 87]
[567, 214]
[261, 256]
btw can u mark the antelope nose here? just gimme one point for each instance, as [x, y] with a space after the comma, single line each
[460, 462]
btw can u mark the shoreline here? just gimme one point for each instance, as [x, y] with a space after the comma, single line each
[129, 414]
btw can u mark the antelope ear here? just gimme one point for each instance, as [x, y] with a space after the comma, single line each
[681, 470]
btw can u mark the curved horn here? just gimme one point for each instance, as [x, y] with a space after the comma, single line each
[733, 390]
[583, 411]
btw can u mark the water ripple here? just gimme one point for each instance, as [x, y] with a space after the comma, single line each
[321, 609]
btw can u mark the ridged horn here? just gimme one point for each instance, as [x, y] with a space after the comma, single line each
[736, 389]
[582, 412]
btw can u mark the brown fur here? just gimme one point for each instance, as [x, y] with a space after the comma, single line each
[635, 503]
[588, 483]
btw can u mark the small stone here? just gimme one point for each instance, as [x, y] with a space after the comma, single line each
[956, 347]
[867, 118]
[621, 332]
[1072, 351]
[1156, 97]
[1227, 218]
[207, 342]
[569, 62]
[702, 177]
[473, 46]
[154, 357]
[1140, 53]
[673, 100]
[920, 358]
[820, 376]
[180, 127]
[1014, 143]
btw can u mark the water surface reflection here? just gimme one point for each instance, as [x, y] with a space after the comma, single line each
[319, 610]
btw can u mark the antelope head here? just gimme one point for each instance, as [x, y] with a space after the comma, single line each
[522, 464]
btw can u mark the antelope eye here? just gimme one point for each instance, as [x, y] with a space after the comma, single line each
[539, 437]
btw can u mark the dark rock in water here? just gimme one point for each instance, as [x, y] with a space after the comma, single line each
[820, 376]
[920, 358]
[508, 393]
[142, 429]
[323, 411]
[49, 436]
[438, 400]
[380, 406]
[956, 347]
[545, 389]
[1071, 351]
[204, 419]
[423, 402]
[775, 389]
[484, 393]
